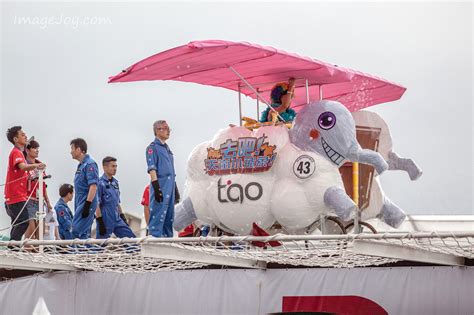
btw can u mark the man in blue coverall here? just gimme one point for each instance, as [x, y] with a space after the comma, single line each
[85, 182]
[110, 217]
[163, 190]
[63, 213]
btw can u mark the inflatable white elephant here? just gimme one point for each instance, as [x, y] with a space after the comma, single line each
[273, 174]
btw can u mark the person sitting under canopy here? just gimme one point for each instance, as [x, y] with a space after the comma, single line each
[281, 95]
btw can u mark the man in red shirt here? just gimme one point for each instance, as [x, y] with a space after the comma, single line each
[31, 154]
[16, 183]
[146, 206]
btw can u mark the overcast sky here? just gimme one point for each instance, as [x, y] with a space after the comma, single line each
[55, 67]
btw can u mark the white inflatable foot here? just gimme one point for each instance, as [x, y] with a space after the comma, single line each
[184, 214]
[392, 214]
[336, 198]
[395, 162]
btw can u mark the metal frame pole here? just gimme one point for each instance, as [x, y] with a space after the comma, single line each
[258, 106]
[322, 220]
[249, 238]
[40, 208]
[240, 107]
[355, 195]
[307, 91]
[256, 93]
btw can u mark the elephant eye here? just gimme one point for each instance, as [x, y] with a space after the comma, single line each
[327, 120]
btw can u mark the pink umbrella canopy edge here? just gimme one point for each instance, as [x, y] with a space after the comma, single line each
[208, 62]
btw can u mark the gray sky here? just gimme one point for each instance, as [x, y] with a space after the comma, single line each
[55, 68]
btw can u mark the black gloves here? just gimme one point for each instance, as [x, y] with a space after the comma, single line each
[158, 193]
[87, 209]
[177, 197]
[101, 226]
[122, 216]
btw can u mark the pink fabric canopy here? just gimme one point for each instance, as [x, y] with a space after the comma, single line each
[208, 62]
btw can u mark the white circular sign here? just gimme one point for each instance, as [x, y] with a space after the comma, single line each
[304, 166]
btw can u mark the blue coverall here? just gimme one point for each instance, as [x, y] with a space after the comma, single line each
[108, 194]
[87, 174]
[160, 158]
[64, 215]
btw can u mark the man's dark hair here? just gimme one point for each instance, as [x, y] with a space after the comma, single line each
[108, 159]
[12, 133]
[80, 143]
[65, 189]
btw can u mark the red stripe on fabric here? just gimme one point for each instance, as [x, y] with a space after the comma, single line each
[341, 305]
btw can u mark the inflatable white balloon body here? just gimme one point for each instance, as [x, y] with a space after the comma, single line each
[273, 174]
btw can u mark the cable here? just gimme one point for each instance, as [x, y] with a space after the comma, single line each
[13, 181]
[24, 206]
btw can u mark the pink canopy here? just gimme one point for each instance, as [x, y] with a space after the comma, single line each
[212, 62]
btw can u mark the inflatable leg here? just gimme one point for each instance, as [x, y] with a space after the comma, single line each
[396, 162]
[391, 213]
[336, 198]
[184, 214]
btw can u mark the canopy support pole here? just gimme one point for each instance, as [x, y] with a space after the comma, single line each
[256, 93]
[240, 107]
[307, 91]
[258, 106]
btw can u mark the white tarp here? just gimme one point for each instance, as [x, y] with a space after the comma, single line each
[400, 290]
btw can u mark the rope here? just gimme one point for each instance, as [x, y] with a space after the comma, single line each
[151, 254]
[37, 219]
[22, 209]
[15, 180]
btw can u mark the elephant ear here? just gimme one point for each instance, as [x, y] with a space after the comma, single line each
[367, 119]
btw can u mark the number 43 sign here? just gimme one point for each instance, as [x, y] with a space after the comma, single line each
[304, 166]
